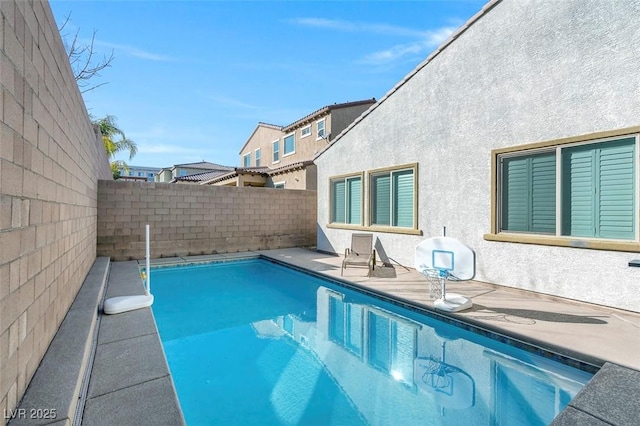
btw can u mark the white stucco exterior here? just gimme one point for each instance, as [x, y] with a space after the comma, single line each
[523, 72]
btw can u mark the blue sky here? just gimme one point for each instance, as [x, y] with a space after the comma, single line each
[191, 79]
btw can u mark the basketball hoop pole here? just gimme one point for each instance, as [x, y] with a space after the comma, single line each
[116, 305]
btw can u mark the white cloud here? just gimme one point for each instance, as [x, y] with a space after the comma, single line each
[162, 140]
[133, 51]
[424, 40]
[169, 149]
[339, 25]
[225, 100]
[429, 41]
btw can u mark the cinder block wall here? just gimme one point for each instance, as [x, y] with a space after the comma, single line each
[195, 219]
[50, 161]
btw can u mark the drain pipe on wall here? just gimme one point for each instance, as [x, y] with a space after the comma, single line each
[116, 305]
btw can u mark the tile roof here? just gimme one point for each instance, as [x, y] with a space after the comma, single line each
[199, 177]
[265, 171]
[205, 165]
[325, 109]
[289, 167]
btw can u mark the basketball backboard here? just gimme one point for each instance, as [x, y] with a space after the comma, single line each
[446, 253]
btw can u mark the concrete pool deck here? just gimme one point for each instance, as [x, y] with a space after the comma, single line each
[127, 381]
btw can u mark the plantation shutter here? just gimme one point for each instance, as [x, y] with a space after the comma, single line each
[381, 203]
[338, 212]
[529, 193]
[578, 188]
[354, 200]
[515, 194]
[599, 190]
[616, 194]
[403, 198]
[543, 193]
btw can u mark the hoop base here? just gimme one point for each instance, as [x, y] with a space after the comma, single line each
[453, 302]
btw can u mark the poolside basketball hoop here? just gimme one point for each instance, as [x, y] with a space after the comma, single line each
[442, 259]
[437, 281]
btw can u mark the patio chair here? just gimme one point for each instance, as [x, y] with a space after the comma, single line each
[361, 253]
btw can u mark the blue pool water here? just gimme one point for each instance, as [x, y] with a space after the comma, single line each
[255, 343]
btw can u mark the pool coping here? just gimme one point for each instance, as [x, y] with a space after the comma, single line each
[52, 394]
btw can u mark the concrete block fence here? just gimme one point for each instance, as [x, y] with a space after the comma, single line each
[194, 219]
[50, 161]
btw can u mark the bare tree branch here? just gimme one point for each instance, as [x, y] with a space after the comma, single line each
[82, 57]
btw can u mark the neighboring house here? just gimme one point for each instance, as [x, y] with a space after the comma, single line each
[301, 175]
[201, 177]
[519, 136]
[283, 154]
[138, 173]
[178, 171]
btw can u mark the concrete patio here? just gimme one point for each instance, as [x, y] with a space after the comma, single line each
[126, 380]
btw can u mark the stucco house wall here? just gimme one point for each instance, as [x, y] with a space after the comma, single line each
[342, 117]
[51, 158]
[300, 178]
[335, 117]
[263, 137]
[524, 71]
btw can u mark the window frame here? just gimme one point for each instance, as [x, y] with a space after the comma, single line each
[275, 144]
[525, 154]
[279, 185]
[345, 177]
[558, 239]
[390, 170]
[246, 163]
[302, 134]
[284, 145]
[324, 128]
[366, 200]
[257, 156]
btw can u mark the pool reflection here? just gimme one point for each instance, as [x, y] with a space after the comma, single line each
[424, 372]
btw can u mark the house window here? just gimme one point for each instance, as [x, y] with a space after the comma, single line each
[392, 198]
[321, 130]
[529, 193]
[346, 200]
[246, 160]
[279, 185]
[305, 131]
[258, 157]
[276, 151]
[578, 190]
[290, 144]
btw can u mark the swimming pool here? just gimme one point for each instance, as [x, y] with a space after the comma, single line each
[253, 342]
